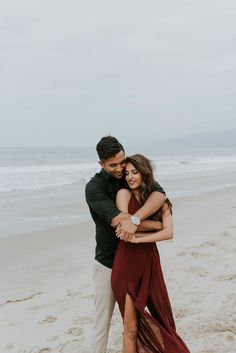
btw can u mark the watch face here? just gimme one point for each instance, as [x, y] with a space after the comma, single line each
[135, 220]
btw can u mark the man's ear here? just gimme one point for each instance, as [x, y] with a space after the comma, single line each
[101, 163]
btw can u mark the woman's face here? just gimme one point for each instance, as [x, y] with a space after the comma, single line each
[132, 176]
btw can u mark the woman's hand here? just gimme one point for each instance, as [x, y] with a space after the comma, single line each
[133, 239]
[126, 230]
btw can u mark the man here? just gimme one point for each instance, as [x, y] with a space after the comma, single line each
[101, 193]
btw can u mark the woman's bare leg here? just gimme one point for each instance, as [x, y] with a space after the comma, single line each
[130, 326]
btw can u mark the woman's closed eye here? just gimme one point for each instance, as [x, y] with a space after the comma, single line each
[132, 172]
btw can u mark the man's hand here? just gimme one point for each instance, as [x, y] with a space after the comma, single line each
[126, 230]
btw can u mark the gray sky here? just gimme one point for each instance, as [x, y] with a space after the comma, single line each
[72, 71]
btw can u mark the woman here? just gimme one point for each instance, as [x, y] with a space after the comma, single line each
[137, 278]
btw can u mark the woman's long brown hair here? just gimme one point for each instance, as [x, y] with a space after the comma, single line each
[145, 167]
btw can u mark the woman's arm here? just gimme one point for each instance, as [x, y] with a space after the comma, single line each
[153, 203]
[126, 228]
[165, 234]
[149, 224]
[122, 202]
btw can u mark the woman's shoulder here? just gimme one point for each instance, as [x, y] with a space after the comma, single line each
[124, 195]
[124, 192]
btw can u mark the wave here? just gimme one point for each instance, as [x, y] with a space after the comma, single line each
[43, 177]
[37, 177]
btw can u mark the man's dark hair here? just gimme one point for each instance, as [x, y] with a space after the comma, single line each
[108, 147]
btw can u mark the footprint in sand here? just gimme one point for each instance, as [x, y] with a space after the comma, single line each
[197, 271]
[225, 278]
[230, 337]
[222, 339]
[196, 250]
[223, 323]
[73, 346]
[75, 331]
[89, 296]
[74, 294]
[227, 312]
[196, 254]
[48, 320]
[181, 313]
[225, 236]
[209, 243]
[182, 253]
[230, 300]
[196, 296]
[82, 320]
[225, 233]
[44, 350]
[52, 338]
[80, 295]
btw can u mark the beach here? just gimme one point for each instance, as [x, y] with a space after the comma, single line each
[46, 301]
[85, 83]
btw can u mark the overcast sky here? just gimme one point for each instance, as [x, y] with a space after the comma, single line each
[72, 71]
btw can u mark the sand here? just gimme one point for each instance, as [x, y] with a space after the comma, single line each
[46, 291]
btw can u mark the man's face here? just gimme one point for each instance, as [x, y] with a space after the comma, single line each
[115, 165]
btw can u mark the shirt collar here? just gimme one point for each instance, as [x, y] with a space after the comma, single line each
[105, 175]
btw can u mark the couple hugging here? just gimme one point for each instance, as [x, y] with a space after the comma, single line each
[131, 213]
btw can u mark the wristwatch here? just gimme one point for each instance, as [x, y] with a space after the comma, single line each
[135, 220]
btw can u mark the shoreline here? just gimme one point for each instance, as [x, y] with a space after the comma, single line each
[47, 297]
[48, 224]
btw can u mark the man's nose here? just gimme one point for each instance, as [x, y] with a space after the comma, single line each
[119, 168]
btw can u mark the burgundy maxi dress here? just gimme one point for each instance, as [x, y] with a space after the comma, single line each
[137, 272]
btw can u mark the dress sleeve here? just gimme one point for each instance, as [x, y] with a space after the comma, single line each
[100, 202]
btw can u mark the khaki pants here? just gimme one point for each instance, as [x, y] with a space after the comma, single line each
[104, 306]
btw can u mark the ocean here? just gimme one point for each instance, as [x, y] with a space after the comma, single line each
[44, 187]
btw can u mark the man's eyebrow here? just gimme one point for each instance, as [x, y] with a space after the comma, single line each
[118, 163]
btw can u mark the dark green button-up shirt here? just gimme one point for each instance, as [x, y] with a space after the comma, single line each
[100, 194]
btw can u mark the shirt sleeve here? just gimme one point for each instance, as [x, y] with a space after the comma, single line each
[157, 187]
[98, 200]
